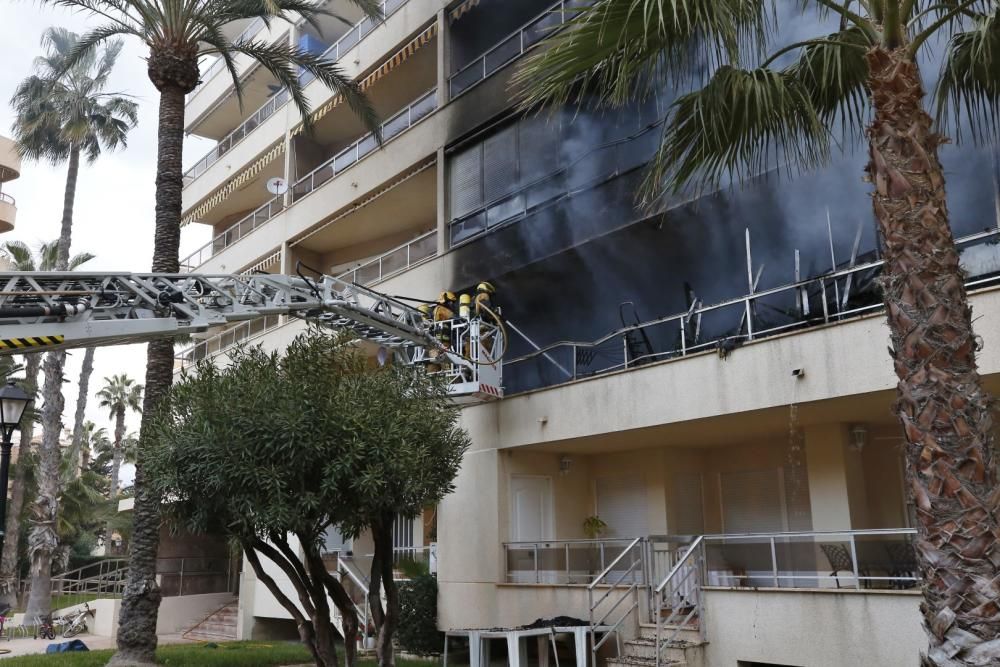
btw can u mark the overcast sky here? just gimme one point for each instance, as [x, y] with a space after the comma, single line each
[113, 216]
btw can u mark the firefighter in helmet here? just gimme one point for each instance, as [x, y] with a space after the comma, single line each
[484, 297]
[443, 313]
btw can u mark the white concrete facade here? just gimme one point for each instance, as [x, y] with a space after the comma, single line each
[674, 443]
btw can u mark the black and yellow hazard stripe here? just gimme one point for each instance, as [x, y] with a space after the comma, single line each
[33, 341]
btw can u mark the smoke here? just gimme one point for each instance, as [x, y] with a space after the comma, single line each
[585, 246]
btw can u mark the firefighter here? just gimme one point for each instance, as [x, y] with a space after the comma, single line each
[425, 310]
[484, 297]
[443, 313]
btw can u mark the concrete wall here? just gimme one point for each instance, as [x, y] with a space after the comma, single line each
[176, 614]
[813, 629]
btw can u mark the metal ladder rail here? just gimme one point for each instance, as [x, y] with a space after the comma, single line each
[673, 582]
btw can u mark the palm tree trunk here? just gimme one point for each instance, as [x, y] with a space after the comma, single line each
[69, 197]
[941, 404]
[116, 453]
[43, 540]
[81, 402]
[9, 571]
[141, 599]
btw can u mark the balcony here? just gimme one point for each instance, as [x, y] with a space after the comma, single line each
[508, 50]
[8, 212]
[350, 39]
[332, 167]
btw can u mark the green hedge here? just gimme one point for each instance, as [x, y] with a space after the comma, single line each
[418, 633]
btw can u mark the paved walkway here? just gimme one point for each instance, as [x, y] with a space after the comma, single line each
[29, 646]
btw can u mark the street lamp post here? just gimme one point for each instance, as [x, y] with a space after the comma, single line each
[13, 402]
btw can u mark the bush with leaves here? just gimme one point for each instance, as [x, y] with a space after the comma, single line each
[277, 447]
[418, 633]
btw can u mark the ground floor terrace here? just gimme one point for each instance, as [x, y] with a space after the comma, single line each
[779, 536]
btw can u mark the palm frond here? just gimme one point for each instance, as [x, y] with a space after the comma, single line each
[77, 261]
[741, 124]
[834, 72]
[616, 48]
[284, 61]
[968, 90]
[20, 254]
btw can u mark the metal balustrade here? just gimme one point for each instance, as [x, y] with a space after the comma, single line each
[226, 144]
[394, 261]
[347, 41]
[234, 233]
[355, 34]
[832, 297]
[560, 562]
[509, 49]
[363, 147]
[227, 339]
[6, 198]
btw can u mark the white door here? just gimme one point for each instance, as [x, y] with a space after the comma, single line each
[530, 508]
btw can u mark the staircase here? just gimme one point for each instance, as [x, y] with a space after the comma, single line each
[686, 649]
[219, 626]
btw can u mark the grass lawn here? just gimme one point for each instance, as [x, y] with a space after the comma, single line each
[228, 654]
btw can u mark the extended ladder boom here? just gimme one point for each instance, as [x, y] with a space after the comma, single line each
[70, 310]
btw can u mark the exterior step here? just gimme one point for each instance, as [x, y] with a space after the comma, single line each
[688, 633]
[644, 647]
[626, 660]
[221, 624]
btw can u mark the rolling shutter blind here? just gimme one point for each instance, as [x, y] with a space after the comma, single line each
[621, 503]
[753, 501]
[500, 164]
[466, 181]
[688, 507]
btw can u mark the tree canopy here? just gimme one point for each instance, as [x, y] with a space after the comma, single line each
[289, 444]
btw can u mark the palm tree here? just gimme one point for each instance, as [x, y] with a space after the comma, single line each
[62, 112]
[83, 385]
[177, 34]
[23, 259]
[865, 78]
[92, 439]
[119, 394]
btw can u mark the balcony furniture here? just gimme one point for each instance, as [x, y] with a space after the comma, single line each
[903, 563]
[841, 561]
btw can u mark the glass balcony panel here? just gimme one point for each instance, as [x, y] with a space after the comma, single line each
[367, 274]
[468, 227]
[348, 40]
[467, 78]
[503, 53]
[505, 210]
[423, 107]
[537, 31]
[396, 125]
[366, 146]
[344, 160]
[394, 261]
[423, 248]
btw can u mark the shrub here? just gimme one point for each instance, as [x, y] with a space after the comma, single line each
[418, 633]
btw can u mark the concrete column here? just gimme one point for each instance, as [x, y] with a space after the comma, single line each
[443, 214]
[289, 156]
[837, 496]
[443, 58]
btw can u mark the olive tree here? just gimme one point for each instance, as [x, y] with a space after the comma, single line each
[276, 448]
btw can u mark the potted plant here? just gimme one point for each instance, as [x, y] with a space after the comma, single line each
[594, 527]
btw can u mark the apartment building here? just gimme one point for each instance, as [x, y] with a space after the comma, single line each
[10, 169]
[710, 381]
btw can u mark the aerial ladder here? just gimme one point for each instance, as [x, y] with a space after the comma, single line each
[41, 311]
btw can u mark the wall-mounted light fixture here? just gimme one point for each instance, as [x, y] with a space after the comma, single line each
[859, 437]
[565, 463]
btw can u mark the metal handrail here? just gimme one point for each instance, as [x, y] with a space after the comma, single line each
[487, 67]
[694, 550]
[185, 356]
[4, 197]
[684, 319]
[358, 274]
[631, 591]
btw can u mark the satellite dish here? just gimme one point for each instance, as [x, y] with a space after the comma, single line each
[277, 185]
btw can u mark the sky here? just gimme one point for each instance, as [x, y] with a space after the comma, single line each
[113, 216]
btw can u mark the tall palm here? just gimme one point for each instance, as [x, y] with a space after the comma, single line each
[63, 112]
[83, 393]
[864, 77]
[24, 259]
[177, 33]
[92, 439]
[119, 394]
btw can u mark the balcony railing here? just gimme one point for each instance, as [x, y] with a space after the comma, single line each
[6, 198]
[394, 261]
[831, 297]
[357, 32]
[347, 41]
[219, 63]
[367, 144]
[233, 234]
[225, 340]
[226, 144]
[561, 562]
[509, 49]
